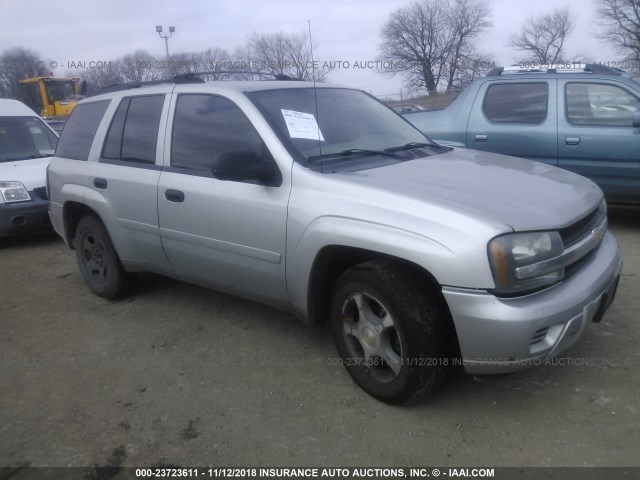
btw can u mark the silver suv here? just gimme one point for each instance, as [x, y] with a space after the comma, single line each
[325, 202]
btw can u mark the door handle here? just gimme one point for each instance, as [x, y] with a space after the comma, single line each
[100, 183]
[481, 138]
[572, 140]
[174, 195]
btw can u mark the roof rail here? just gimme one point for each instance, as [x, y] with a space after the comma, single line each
[569, 67]
[276, 76]
[191, 77]
[115, 87]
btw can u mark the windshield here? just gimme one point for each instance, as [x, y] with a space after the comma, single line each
[348, 123]
[59, 90]
[31, 95]
[22, 138]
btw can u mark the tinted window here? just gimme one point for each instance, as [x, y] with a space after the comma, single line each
[600, 104]
[140, 133]
[516, 103]
[77, 137]
[22, 138]
[59, 90]
[113, 143]
[32, 96]
[206, 126]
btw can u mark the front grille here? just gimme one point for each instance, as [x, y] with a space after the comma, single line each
[539, 335]
[583, 227]
[41, 192]
[578, 231]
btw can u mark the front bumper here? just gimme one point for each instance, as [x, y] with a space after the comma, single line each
[498, 335]
[25, 218]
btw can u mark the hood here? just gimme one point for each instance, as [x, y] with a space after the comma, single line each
[522, 194]
[31, 173]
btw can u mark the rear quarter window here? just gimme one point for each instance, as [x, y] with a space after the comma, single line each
[77, 136]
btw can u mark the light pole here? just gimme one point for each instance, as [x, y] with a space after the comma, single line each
[166, 37]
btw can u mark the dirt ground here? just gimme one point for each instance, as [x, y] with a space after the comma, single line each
[177, 374]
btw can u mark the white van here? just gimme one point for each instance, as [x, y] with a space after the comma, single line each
[26, 145]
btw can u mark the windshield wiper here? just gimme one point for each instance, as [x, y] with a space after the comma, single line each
[354, 151]
[410, 146]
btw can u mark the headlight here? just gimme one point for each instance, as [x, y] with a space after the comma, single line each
[508, 252]
[14, 192]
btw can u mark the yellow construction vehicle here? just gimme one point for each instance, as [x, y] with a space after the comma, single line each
[53, 98]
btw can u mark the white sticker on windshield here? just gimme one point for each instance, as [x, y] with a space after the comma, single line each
[302, 125]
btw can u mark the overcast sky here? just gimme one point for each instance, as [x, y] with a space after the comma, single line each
[345, 30]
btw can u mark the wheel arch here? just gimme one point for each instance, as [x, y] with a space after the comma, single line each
[72, 213]
[333, 260]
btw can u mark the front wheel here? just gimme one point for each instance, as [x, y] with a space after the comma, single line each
[392, 331]
[97, 259]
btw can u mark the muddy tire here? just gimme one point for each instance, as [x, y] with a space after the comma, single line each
[98, 261]
[393, 332]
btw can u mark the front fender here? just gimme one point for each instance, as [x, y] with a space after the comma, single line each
[330, 231]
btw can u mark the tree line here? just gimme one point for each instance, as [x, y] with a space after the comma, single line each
[431, 44]
[435, 39]
[276, 53]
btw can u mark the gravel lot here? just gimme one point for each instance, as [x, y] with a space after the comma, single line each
[181, 375]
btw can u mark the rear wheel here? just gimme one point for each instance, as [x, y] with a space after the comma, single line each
[97, 259]
[393, 332]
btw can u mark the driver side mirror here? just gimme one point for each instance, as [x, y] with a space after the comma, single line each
[242, 165]
[635, 122]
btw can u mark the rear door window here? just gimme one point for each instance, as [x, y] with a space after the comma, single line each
[113, 143]
[519, 103]
[133, 133]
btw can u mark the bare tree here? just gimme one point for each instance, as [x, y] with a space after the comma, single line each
[139, 66]
[18, 64]
[469, 68]
[427, 41]
[215, 59]
[466, 20]
[210, 60]
[621, 22]
[413, 44]
[282, 54]
[543, 37]
[98, 78]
